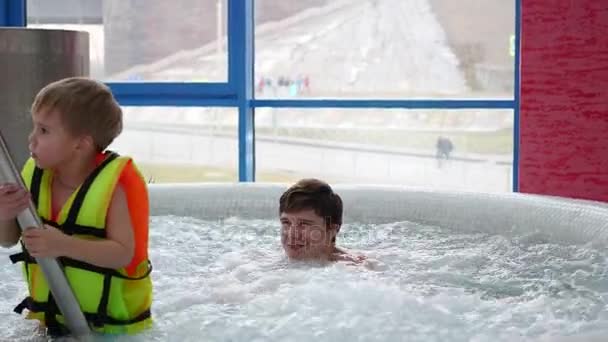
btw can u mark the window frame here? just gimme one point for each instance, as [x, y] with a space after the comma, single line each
[238, 91]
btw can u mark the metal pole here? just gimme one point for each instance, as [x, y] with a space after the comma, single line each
[219, 29]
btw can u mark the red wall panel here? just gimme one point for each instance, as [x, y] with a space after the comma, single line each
[564, 98]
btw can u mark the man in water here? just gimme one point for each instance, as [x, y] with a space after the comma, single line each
[311, 217]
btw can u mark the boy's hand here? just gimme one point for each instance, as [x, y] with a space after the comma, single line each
[44, 243]
[13, 200]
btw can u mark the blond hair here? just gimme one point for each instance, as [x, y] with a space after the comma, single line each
[86, 107]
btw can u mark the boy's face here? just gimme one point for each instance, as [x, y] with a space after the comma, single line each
[50, 144]
[304, 235]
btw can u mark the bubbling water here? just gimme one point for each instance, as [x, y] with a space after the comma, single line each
[229, 281]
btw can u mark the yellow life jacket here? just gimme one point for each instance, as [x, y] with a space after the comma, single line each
[113, 301]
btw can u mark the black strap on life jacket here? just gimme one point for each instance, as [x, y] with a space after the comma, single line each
[50, 309]
[70, 221]
[76, 229]
[56, 328]
[35, 185]
[68, 262]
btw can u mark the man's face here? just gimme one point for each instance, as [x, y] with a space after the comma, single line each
[304, 235]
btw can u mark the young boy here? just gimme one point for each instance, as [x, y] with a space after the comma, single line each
[311, 217]
[95, 208]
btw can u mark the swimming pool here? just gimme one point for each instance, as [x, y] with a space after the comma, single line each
[444, 267]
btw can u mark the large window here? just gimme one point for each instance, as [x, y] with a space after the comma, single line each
[370, 91]
[181, 144]
[152, 40]
[457, 149]
[384, 49]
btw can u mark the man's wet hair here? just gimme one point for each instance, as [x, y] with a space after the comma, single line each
[313, 194]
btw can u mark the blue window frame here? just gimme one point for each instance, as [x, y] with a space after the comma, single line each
[12, 13]
[238, 91]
